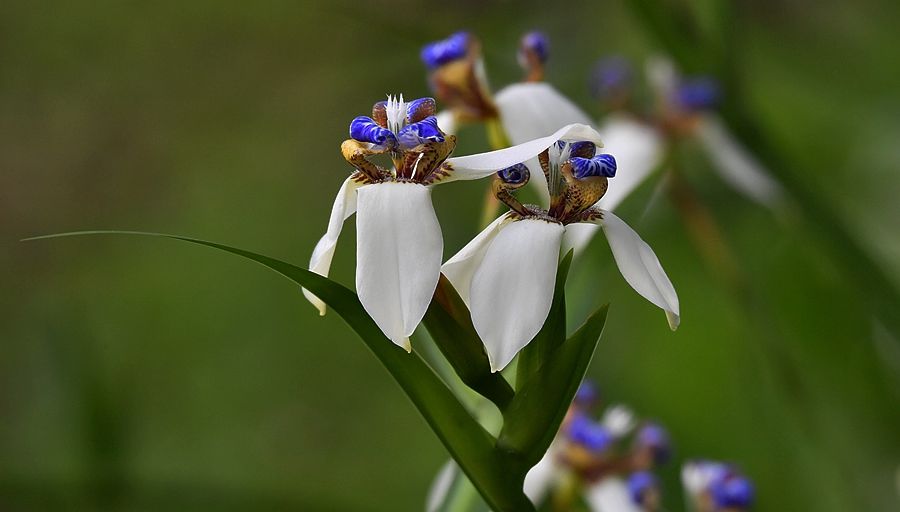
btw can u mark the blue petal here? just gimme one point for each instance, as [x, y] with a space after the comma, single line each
[515, 175]
[587, 394]
[583, 149]
[609, 76]
[698, 94]
[441, 52]
[419, 109]
[639, 483]
[365, 129]
[537, 43]
[735, 492]
[656, 438]
[589, 433]
[600, 165]
[422, 132]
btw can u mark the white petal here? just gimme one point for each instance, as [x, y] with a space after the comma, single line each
[484, 164]
[578, 236]
[320, 262]
[446, 121]
[610, 495]
[735, 164]
[619, 420]
[638, 149]
[440, 487]
[461, 267]
[662, 76]
[398, 256]
[512, 289]
[535, 109]
[640, 267]
[541, 477]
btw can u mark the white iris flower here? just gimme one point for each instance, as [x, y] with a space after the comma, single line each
[506, 275]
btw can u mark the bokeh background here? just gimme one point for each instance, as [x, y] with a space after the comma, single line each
[146, 375]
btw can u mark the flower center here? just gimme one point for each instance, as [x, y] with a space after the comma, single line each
[407, 132]
[576, 177]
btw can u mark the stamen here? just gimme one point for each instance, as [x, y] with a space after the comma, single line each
[441, 52]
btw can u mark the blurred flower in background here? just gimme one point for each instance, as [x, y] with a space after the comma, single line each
[643, 126]
[527, 110]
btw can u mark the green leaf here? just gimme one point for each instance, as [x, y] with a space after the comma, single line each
[450, 325]
[469, 444]
[552, 334]
[533, 417]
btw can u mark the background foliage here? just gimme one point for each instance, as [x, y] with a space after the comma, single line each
[141, 374]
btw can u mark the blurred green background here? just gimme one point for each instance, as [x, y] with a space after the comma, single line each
[146, 375]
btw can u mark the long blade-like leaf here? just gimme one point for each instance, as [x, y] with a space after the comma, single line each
[450, 325]
[469, 444]
[533, 417]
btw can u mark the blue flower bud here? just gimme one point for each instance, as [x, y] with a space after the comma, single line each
[423, 132]
[600, 165]
[589, 433]
[515, 175]
[639, 483]
[365, 129]
[733, 492]
[419, 109]
[441, 52]
[698, 94]
[587, 394]
[609, 76]
[536, 43]
[656, 438]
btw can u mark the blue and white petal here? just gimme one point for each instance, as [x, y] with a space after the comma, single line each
[640, 267]
[535, 109]
[320, 262]
[735, 164]
[461, 267]
[512, 289]
[473, 167]
[398, 256]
